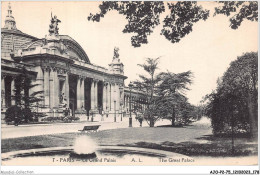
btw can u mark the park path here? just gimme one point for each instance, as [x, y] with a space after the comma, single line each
[10, 131]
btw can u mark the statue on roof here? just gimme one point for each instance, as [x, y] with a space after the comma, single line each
[53, 27]
[116, 54]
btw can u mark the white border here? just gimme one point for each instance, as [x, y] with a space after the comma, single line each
[122, 169]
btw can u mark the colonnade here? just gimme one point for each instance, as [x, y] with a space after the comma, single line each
[54, 82]
[136, 103]
[7, 90]
[54, 78]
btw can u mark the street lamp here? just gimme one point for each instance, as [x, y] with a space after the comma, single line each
[115, 110]
[130, 88]
[121, 107]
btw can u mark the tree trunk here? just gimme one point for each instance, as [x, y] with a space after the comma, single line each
[151, 122]
[173, 116]
[252, 122]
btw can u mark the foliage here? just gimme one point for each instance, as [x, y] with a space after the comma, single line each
[144, 16]
[23, 99]
[66, 119]
[13, 115]
[241, 10]
[165, 94]
[27, 115]
[21, 91]
[149, 84]
[199, 111]
[233, 106]
[172, 102]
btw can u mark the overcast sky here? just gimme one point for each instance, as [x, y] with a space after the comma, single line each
[207, 51]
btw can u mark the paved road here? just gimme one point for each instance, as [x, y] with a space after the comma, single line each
[10, 131]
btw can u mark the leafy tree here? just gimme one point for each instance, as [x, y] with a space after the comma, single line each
[234, 103]
[241, 10]
[164, 92]
[149, 84]
[144, 16]
[25, 101]
[187, 113]
[171, 92]
[12, 115]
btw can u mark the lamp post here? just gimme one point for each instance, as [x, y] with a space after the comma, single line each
[130, 118]
[121, 112]
[115, 110]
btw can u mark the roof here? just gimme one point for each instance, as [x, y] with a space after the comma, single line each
[80, 50]
[17, 32]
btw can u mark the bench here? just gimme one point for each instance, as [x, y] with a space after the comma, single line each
[90, 128]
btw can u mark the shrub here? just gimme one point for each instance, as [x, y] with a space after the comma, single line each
[27, 115]
[13, 114]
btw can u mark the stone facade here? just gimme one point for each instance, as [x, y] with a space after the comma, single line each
[63, 71]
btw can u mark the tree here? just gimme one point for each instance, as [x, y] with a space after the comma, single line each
[12, 115]
[171, 91]
[149, 84]
[23, 99]
[246, 10]
[144, 16]
[234, 103]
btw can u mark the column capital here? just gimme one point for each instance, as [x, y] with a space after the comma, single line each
[54, 69]
[3, 76]
[46, 68]
[13, 77]
[105, 83]
[81, 77]
[60, 71]
[95, 80]
[66, 71]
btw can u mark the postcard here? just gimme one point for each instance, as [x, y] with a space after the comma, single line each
[150, 83]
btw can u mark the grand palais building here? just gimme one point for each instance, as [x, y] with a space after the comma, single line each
[64, 72]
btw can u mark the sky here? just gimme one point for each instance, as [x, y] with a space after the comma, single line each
[207, 51]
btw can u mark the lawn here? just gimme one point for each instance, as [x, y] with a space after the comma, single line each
[195, 140]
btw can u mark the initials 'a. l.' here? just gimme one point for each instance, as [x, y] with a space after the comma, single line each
[133, 160]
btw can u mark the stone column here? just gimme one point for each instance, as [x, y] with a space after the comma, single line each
[92, 95]
[133, 103]
[109, 96]
[12, 91]
[46, 87]
[78, 94]
[51, 103]
[107, 100]
[117, 96]
[96, 95]
[112, 97]
[126, 103]
[67, 89]
[83, 92]
[124, 107]
[104, 96]
[121, 95]
[117, 92]
[56, 88]
[3, 91]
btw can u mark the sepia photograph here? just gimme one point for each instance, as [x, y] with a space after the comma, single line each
[140, 83]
